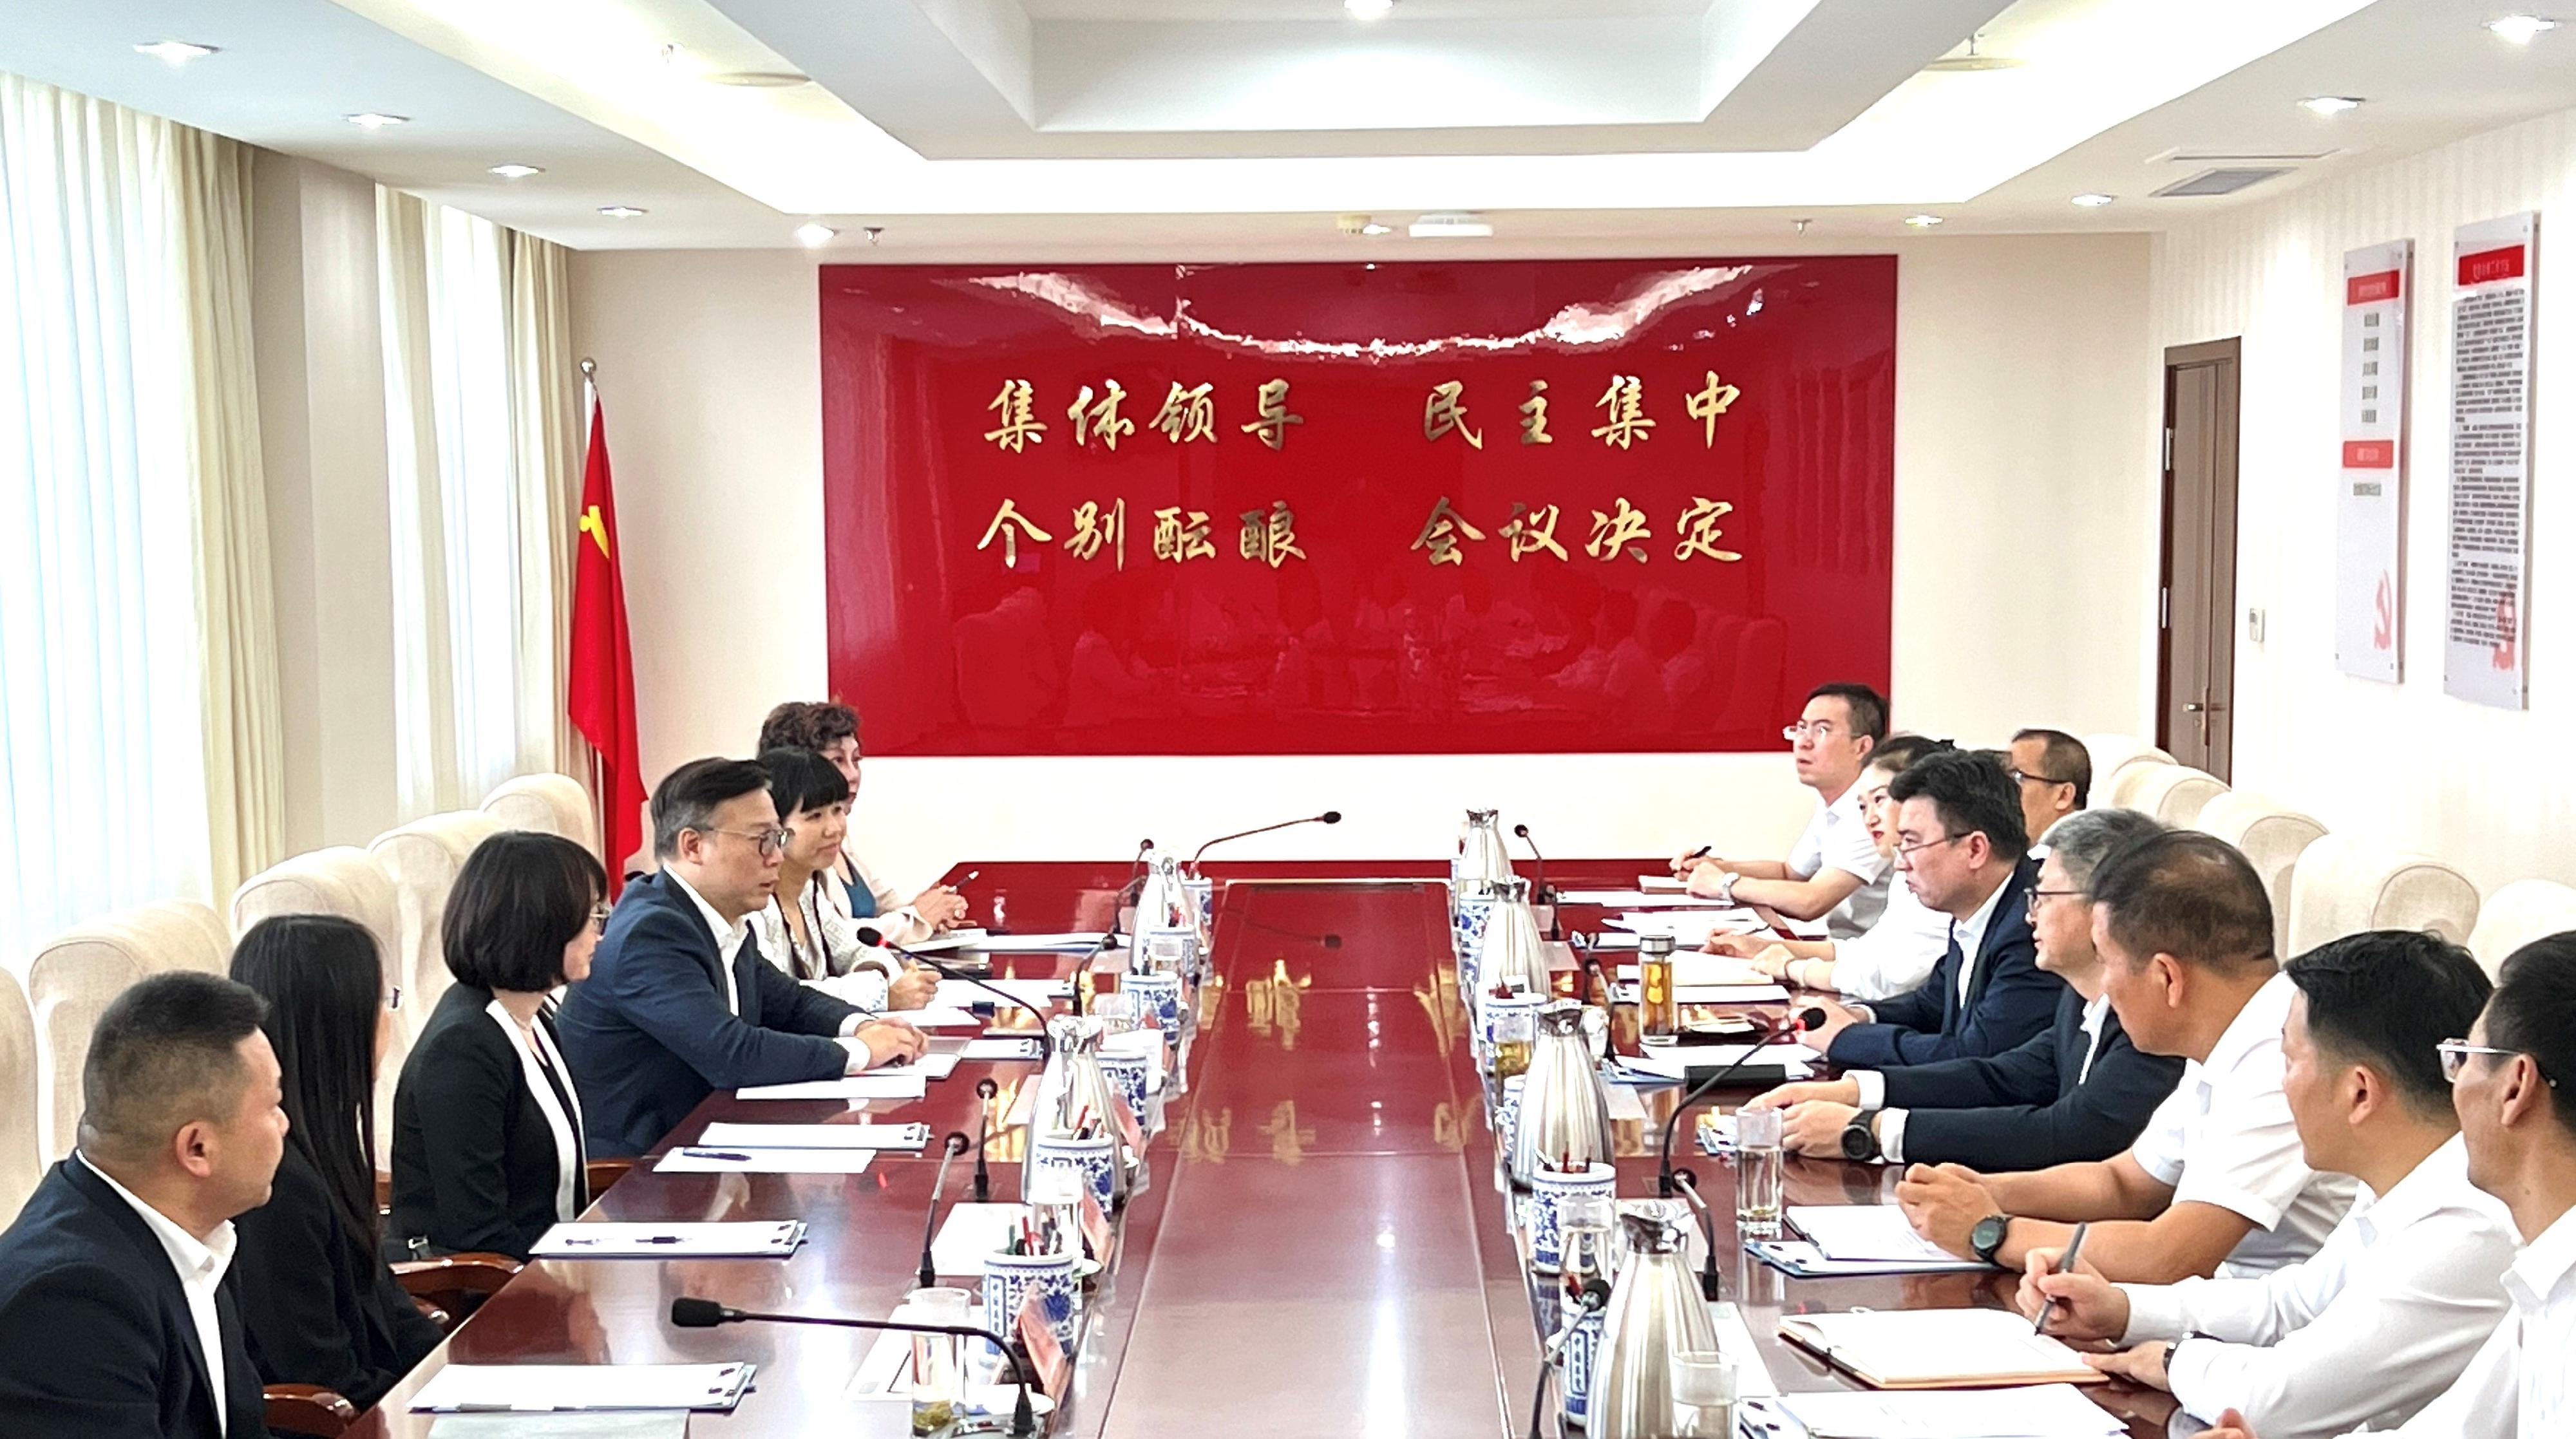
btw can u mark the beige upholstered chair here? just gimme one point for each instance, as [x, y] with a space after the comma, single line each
[2271, 838]
[423, 858]
[22, 1157]
[348, 882]
[2345, 885]
[2174, 793]
[2120, 791]
[77, 973]
[550, 803]
[2517, 914]
[2112, 753]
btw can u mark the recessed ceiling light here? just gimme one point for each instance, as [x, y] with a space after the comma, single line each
[2093, 199]
[814, 234]
[760, 79]
[2330, 104]
[180, 52]
[1972, 62]
[1451, 225]
[1368, 9]
[620, 212]
[2520, 28]
[1374, 228]
[516, 171]
[373, 120]
[1923, 222]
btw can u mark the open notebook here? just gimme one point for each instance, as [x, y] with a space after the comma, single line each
[1937, 1349]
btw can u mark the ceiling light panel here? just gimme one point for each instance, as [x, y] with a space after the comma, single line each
[175, 52]
[2522, 29]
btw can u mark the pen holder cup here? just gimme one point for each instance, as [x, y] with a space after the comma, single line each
[1008, 1281]
[1091, 1161]
[1549, 1189]
[1130, 1073]
[1158, 996]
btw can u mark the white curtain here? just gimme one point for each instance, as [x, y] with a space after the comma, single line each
[132, 540]
[478, 432]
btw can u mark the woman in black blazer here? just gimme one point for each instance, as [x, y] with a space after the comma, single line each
[317, 1304]
[488, 1140]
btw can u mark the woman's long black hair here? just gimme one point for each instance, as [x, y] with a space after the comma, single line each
[324, 985]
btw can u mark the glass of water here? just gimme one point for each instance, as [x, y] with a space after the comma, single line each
[1583, 1229]
[1117, 1012]
[1703, 1396]
[1757, 1173]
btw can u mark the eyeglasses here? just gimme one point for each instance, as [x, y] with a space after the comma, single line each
[2020, 777]
[1819, 730]
[2033, 895]
[599, 918]
[393, 997]
[2455, 1057]
[770, 840]
[1909, 849]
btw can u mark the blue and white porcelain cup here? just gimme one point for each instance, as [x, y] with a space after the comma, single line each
[1507, 1109]
[1130, 1073]
[1008, 1278]
[1549, 1189]
[1093, 1161]
[1467, 935]
[1160, 996]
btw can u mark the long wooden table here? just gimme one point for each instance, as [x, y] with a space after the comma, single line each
[1322, 1249]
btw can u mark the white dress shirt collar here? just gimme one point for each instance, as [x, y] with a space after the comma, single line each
[2096, 1010]
[1970, 934]
[200, 1264]
[2544, 1266]
[729, 937]
[2257, 1024]
[2438, 1181]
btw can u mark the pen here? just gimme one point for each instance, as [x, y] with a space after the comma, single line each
[642, 1239]
[966, 879]
[1699, 853]
[717, 1154]
[2065, 1265]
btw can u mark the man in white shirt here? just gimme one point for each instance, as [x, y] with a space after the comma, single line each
[1833, 873]
[115, 1322]
[2055, 774]
[2185, 933]
[2509, 1082]
[2405, 1290]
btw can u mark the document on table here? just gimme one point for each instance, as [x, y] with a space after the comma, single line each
[537, 1388]
[630, 1424]
[970, 1232]
[1875, 1232]
[814, 1136]
[1689, 928]
[898, 1083]
[958, 994]
[1695, 970]
[1640, 899]
[764, 1161]
[1675, 1060]
[2043, 1411]
[1801, 1260]
[1661, 883]
[937, 1017]
[1715, 993]
[935, 1066]
[970, 938]
[749, 1239]
[1072, 941]
[1003, 1051]
[1937, 1348]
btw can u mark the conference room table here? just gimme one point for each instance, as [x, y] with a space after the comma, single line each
[1321, 1247]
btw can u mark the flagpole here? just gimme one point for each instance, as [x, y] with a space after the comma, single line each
[598, 766]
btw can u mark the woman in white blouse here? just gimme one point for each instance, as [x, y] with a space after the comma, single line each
[832, 731]
[801, 931]
[1893, 955]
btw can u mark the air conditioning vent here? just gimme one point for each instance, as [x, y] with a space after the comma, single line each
[2223, 181]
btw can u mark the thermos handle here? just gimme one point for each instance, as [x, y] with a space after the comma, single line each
[1596, 1031]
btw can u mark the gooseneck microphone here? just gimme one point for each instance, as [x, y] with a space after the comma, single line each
[1539, 892]
[1806, 1019]
[1711, 1288]
[1590, 1299]
[956, 1145]
[1133, 886]
[1330, 816]
[985, 1089]
[874, 938]
[690, 1312]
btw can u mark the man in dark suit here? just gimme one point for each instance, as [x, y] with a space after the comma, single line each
[1961, 848]
[116, 1320]
[2076, 1090]
[679, 1001]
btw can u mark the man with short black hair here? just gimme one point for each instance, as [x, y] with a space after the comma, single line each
[2185, 933]
[2055, 773]
[2406, 1287]
[679, 1001]
[115, 1321]
[1960, 848]
[1834, 872]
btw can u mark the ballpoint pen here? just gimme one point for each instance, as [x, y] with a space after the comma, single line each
[641, 1239]
[717, 1154]
[2065, 1265]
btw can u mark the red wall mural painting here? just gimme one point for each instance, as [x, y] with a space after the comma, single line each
[1494, 507]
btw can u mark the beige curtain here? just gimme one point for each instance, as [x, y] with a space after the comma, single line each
[545, 422]
[245, 742]
[426, 779]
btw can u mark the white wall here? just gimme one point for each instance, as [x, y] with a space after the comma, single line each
[2024, 552]
[2489, 790]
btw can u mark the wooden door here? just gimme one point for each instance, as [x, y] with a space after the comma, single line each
[2196, 699]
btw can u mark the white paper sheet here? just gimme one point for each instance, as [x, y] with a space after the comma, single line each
[764, 1161]
[1671, 1061]
[1004, 1051]
[909, 1083]
[970, 938]
[1715, 993]
[970, 1232]
[1071, 941]
[1660, 883]
[1690, 928]
[1866, 1231]
[958, 994]
[814, 1136]
[753, 1239]
[1735, 1340]
[2041, 1411]
[1624, 1104]
[935, 1066]
[1640, 899]
[938, 1017]
[538, 1388]
[1947, 1348]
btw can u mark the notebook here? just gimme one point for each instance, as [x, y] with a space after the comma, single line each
[2047, 1411]
[1937, 1348]
[542, 1388]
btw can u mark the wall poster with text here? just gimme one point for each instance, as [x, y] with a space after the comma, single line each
[1399, 507]
[2495, 267]
[2370, 493]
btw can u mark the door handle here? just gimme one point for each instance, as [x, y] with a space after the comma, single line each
[2193, 709]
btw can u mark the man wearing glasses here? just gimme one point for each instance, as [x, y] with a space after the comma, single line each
[2055, 773]
[2508, 1087]
[1834, 873]
[679, 1001]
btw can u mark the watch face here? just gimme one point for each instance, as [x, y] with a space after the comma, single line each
[1988, 1236]
[1857, 1143]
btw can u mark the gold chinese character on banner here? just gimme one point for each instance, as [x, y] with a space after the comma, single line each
[1443, 411]
[1534, 416]
[1440, 534]
[1710, 402]
[1616, 531]
[1099, 421]
[1178, 539]
[1270, 536]
[1271, 401]
[1187, 414]
[1010, 524]
[1624, 404]
[1531, 531]
[1020, 426]
[1095, 526]
[1699, 531]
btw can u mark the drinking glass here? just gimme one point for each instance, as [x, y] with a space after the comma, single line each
[1703, 1396]
[938, 1369]
[1757, 1173]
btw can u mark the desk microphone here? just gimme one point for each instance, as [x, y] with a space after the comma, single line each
[873, 938]
[689, 1312]
[1135, 879]
[1804, 1020]
[1539, 892]
[1590, 1299]
[985, 1089]
[955, 1146]
[1330, 816]
[1711, 1288]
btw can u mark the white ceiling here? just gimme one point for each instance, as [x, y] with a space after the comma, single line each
[1219, 127]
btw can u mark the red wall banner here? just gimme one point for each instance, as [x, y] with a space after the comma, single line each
[1504, 506]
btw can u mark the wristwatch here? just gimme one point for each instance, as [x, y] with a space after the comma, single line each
[1988, 1236]
[1726, 879]
[1860, 1138]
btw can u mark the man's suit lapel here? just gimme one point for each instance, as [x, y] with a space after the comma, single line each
[165, 1280]
[2009, 911]
[745, 979]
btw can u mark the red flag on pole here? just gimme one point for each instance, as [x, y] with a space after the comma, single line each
[600, 679]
